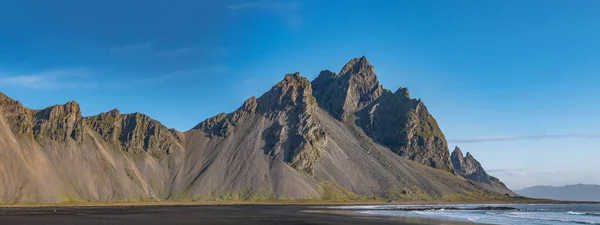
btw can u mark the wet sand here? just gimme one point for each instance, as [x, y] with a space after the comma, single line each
[217, 214]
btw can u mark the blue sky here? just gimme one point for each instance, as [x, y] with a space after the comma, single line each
[513, 82]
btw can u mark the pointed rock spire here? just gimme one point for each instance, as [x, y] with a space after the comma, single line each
[293, 90]
[402, 92]
[468, 167]
[357, 65]
[354, 88]
[325, 78]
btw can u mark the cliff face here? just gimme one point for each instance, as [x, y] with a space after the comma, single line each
[59, 122]
[392, 119]
[469, 168]
[341, 136]
[56, 155]
[18, 117]
[289, 106]
[354, 88]
[135, 133]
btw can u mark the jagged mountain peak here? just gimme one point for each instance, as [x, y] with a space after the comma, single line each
[402, 91]
[134, 132]
[114, 111]
[292, 94]
[5, 100]
[294, 91]
[294, 79]
[457, 152]
[283, 144]
[357, 65]
[394, 120]
[326, 74]
[354, 88]
[323, 80]
[457, 157]
[59, 122]
[291, 135]
[468, 167]
[250, 105]
[67, 109]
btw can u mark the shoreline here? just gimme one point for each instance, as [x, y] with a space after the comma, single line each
[403, 219]
[324, 213]
[204, 214]
[284, 202]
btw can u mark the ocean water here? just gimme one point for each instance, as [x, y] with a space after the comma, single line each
[524, 214]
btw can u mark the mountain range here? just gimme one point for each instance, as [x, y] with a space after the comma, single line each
[341, 136]
[577, 192]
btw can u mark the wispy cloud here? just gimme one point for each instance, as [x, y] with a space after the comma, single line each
[55, 79]
[216, 69]
[524, 137]
[177, 51]
[507, 171]
[519, 178]
[287, 10]
[246, 5]
[131, 47]
[153, 79]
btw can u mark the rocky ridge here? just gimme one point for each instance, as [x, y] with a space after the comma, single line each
[135, 133]
[338, 137]
[393, 120]
[290, 105]
[468, 167]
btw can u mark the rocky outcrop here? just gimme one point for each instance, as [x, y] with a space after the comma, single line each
[291, 105]
[222, 124]
[468, 167]
[406, 127]
[293, 132]
[18, 116]
[59, 122]
[392, 119]
[354, 88]
[134, 133]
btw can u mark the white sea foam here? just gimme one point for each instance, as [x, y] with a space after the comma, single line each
[530, 214]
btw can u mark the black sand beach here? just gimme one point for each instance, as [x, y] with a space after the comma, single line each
[222, 214]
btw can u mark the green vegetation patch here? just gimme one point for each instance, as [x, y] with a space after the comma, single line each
[334, 192]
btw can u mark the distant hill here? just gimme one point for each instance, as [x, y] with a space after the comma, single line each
[578, 192]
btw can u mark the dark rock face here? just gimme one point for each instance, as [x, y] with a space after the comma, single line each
[58, 123]
[320, 84]
[468, 167]
[354, 88]
[134, 133]
[392, 119]
[18, 116]
[405, 126]
[293, 133]
[291, 104]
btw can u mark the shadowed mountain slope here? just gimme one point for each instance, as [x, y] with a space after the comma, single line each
[393, 120]
[469, 168]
